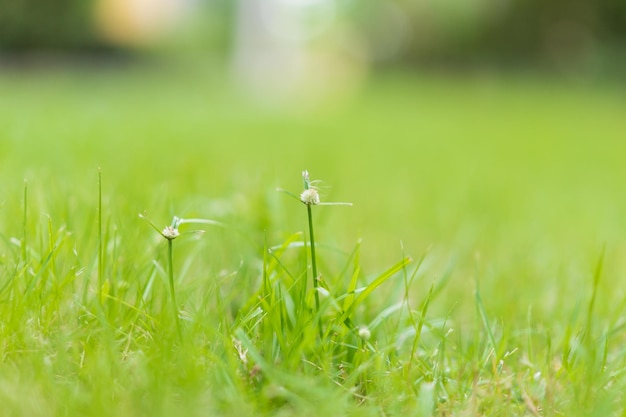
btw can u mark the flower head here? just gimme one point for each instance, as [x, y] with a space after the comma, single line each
[365, 333]
[170, 232]
[310, 197]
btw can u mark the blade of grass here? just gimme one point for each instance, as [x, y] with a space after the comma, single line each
[420, 324]
[594, 292]
[372, 286]
[485, 320]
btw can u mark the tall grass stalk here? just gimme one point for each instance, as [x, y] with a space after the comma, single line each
[170, 273]
[170, 233]
[24, 225]
[310, 197]
[313, 258]
[100, 241]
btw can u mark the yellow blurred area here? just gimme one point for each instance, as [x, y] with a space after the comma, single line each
[138, 22]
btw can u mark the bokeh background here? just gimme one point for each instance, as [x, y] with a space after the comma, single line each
[487, 132]
[304, 36]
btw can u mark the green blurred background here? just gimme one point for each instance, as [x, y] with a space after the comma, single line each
[490, 132]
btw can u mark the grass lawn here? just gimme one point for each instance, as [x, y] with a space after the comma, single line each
[481, 269]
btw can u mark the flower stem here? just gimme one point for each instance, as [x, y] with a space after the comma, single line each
[313, 257]
[25, 225]
[172, 291]
[314, 264]
[100, 241]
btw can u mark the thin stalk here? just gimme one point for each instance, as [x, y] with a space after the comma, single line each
[25, 225]
[170, 253]
[313, 258]
[100, 239]
[314, 264]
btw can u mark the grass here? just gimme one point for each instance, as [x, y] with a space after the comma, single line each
[479, 272]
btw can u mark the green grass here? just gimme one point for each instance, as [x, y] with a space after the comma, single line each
[480, 270]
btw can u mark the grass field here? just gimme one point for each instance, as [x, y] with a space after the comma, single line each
[508, 195]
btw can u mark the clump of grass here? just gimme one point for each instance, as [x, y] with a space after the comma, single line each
[284, 327]
[357, 347]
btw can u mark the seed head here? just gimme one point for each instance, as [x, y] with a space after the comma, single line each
[170, 232]
[310, 197]
[365, 333]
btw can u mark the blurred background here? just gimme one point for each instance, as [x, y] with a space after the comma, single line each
[306, 40]
[483, 129]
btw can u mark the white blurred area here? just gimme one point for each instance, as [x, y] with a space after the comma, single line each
[286, 49]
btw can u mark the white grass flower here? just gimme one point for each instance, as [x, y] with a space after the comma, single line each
[310, 197]
[170, 232]
[365, 333]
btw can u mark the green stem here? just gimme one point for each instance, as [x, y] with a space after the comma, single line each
[100, 240]
[313, 258]
[314, 265]
[25, 225]
[170, 253]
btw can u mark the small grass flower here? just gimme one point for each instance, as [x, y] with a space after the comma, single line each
[365, 333]
[310, 197]
[170, 233]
